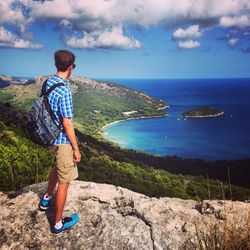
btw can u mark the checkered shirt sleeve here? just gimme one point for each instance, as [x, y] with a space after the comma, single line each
[65, 104]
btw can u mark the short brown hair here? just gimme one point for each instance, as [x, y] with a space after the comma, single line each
[63, 59]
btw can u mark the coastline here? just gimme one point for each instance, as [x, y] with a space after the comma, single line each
[165, 107]
[132, 118]
[203, 116]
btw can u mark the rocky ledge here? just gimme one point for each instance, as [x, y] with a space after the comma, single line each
[112, 218]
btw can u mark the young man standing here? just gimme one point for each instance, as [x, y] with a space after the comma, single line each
[65, 146]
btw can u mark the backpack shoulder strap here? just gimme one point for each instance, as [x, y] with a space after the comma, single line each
[43, 92]
[53, 87]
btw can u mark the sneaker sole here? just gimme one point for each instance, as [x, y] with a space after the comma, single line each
[43, 208]
[65, 229]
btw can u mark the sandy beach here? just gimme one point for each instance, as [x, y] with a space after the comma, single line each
[132, 118]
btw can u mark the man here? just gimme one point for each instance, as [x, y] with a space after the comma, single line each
[65, 146]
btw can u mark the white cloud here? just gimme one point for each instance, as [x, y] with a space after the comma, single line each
[55, 9]
[10, 40]
[140, 12]
[65, 23]
[25, 44]
[188, 44]
[92, 17]
[12, 12]
[6, 36]
[235, 21]
[191, 32]
[113, 38]
[232, 42]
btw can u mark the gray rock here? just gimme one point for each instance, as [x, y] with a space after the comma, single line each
[110, 218]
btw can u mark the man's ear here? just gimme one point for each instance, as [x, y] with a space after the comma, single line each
[70, 68]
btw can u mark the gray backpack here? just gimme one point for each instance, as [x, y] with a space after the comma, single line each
[41, 125]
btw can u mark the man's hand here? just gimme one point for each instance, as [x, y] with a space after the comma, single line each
[69, 128]
[77, 156]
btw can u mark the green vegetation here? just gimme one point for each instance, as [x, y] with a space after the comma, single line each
[203, 111]
[94, 108]
[22, 96]
[21, 161]
[5, 96]
[96, 104]
[154, 182]
[103, 162]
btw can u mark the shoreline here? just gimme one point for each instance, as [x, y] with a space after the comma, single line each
[204, 116]
[101, 132]
[165, 107]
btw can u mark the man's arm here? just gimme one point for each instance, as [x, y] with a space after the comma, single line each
[69, 129]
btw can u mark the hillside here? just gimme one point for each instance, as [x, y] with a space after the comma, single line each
[10, 80]
[96, 103]
[23, 163]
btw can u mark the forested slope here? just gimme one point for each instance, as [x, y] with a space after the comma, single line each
[22, 163]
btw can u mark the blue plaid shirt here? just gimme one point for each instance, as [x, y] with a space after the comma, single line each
[60, 100]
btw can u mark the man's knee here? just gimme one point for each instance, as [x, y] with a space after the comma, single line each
[63, 185]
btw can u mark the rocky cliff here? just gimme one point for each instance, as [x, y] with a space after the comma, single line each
[112, 218]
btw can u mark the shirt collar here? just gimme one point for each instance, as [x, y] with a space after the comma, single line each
[64, 81]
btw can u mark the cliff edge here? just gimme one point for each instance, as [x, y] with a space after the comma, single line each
[111, 217]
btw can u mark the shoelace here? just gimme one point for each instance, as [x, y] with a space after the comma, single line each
[66, 219]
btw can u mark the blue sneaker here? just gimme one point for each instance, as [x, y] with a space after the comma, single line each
[44, 204]
[68, 222]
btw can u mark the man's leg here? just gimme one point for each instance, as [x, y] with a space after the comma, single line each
[60, 199]
[47, 197]
[66, 171]
[52, 182]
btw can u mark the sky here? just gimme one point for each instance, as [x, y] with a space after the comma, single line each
[127, 38]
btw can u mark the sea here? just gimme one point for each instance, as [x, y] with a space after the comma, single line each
[225, 137]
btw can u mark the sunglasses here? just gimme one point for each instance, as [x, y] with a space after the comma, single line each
[74, 65]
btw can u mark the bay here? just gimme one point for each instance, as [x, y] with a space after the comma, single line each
[223, 137]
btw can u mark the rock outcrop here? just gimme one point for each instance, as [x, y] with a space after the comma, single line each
[111, 218]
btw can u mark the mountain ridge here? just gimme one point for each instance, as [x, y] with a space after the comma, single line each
[96, 103]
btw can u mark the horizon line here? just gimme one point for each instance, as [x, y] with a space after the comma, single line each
[136, 78]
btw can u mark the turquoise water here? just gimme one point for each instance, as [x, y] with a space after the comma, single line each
[224, 137]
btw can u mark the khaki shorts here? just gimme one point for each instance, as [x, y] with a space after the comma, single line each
[65, 166]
